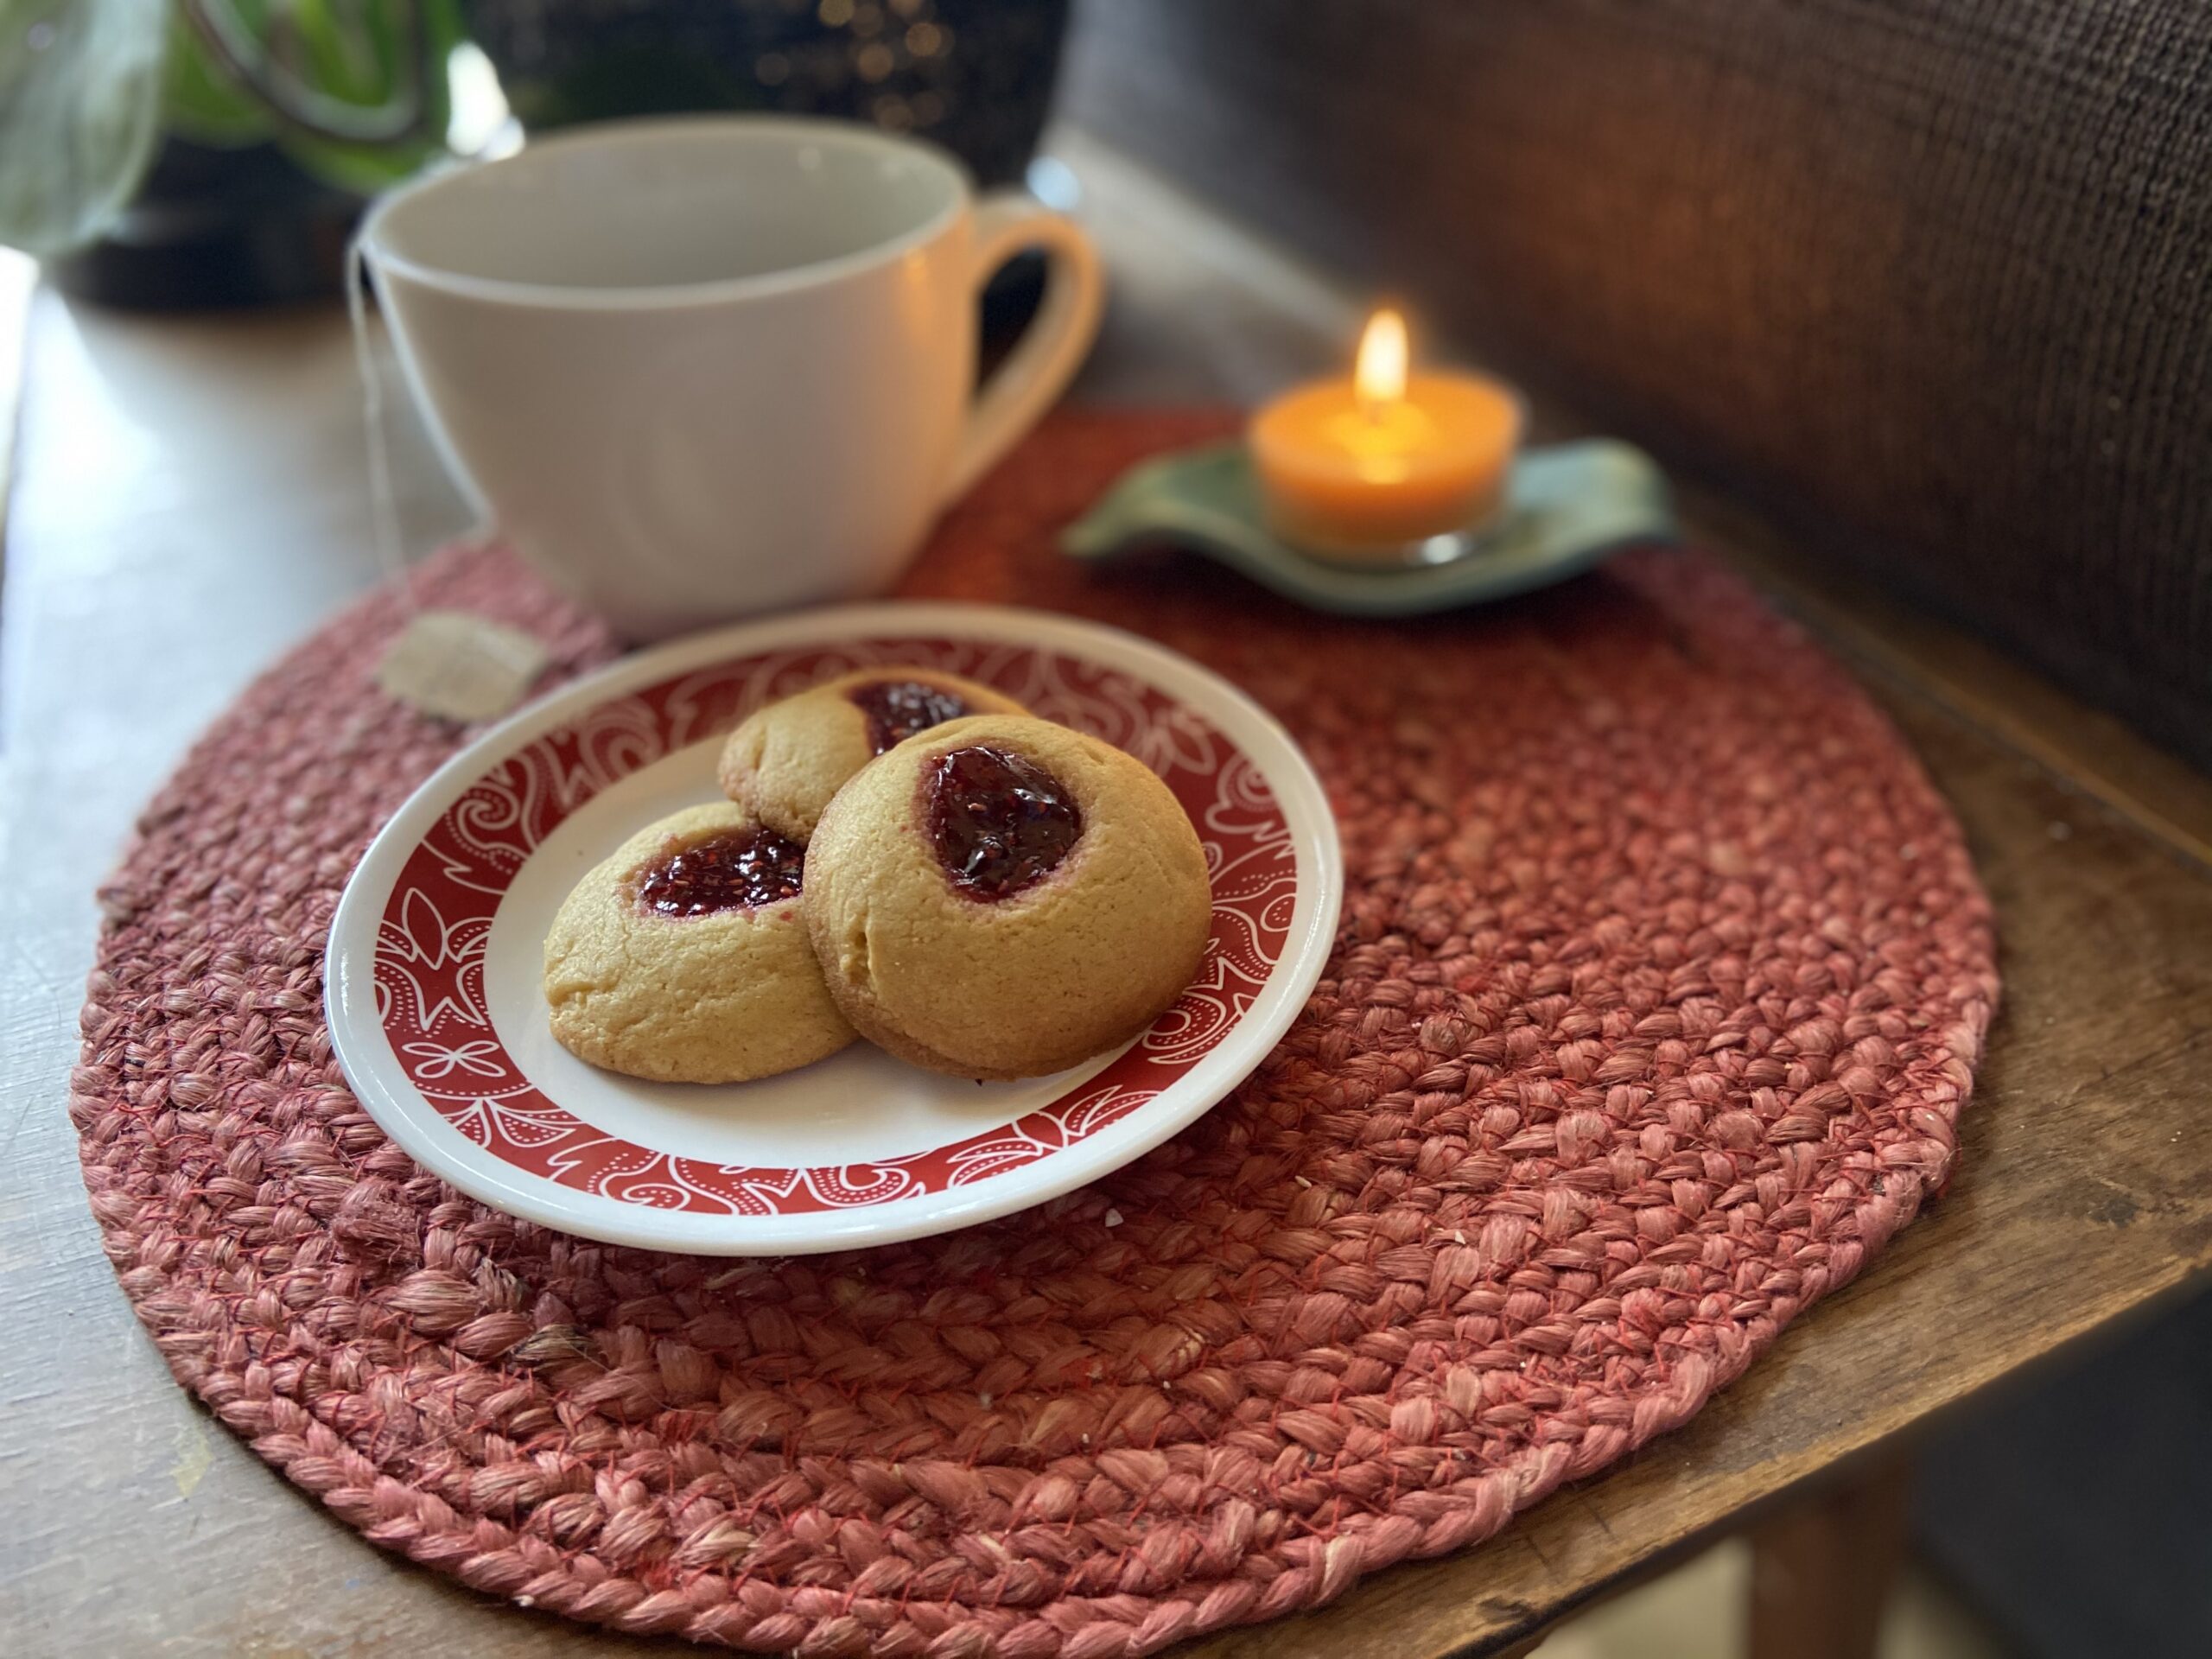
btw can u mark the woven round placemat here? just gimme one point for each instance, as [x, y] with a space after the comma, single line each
[1661, 978]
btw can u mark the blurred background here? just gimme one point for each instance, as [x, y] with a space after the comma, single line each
[210, 153]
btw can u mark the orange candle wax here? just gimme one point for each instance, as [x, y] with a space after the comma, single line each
[1368, 465]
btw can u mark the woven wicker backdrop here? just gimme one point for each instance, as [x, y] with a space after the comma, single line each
[1929, 277]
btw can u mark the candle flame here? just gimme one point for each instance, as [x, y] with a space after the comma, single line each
[1379, 376]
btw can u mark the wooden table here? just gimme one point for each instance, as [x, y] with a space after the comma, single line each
[189, 500]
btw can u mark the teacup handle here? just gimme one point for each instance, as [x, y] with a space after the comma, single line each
[1052, 347]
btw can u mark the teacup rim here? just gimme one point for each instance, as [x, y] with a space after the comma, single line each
[385, 261]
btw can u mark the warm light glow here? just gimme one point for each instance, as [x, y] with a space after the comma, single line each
[1383, 463]
[1380, 373]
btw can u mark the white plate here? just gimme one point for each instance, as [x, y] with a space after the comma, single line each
[437, 1014]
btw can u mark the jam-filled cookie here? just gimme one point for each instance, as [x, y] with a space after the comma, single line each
[787, 761]
[1001, 897]
[683, 958]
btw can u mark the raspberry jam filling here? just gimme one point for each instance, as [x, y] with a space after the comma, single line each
[727, 871]
[999, 822]
[896, 709]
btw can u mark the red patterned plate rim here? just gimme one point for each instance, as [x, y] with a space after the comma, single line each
[431, 981]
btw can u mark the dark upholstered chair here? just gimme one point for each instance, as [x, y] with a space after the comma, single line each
[1931, 283]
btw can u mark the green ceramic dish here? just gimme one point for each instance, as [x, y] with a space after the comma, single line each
[1568, 507]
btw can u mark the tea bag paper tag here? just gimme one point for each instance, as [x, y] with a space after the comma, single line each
[459, 666]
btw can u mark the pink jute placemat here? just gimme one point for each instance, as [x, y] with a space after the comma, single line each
[1661, 976]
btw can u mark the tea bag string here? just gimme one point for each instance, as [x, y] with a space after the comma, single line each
[454, 665]
[384, 506]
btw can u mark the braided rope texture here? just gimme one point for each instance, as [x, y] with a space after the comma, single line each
[1662, 975]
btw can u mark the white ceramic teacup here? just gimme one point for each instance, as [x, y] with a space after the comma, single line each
[704, 366]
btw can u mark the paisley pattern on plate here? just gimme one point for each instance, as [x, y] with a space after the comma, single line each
[429, 954]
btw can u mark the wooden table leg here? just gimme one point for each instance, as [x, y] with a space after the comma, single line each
[1822, 1566]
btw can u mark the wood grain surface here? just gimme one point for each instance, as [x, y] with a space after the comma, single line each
[190, 499]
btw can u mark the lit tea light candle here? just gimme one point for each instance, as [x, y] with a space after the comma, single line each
[1374, 466]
